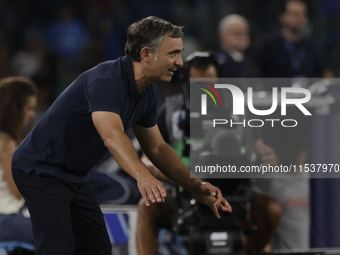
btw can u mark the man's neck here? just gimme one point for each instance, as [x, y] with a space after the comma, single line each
[141, 77]
[237, 56]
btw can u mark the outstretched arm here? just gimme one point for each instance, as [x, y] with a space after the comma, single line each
[165, 159]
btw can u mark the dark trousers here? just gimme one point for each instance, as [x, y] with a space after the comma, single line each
[66, 217]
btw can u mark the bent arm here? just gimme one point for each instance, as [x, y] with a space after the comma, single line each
[111, 130]
[164, 157]
[153, 169]
[166, 160]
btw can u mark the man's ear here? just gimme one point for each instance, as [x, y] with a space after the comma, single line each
[145, 54]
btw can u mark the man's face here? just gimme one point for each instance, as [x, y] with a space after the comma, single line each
[165, 62]
[295, 16]
[236, 37]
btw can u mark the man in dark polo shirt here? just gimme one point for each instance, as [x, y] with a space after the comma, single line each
[88, 120]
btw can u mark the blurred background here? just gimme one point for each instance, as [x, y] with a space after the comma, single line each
[53, 41]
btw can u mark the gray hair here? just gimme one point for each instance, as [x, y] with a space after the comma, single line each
[231, 19]
[149, 32]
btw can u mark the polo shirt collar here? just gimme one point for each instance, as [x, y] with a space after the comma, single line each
[130, 76]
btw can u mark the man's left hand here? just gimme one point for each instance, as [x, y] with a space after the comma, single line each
[212, 197]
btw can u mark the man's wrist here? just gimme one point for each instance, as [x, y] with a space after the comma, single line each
[196, 184]
[142, 173]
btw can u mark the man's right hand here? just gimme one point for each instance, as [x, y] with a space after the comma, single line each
[151, 189]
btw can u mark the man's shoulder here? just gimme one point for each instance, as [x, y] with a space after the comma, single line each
[108, 70]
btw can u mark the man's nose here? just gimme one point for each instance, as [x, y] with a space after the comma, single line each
[179, 61]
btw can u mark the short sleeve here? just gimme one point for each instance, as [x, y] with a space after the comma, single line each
[104, 94]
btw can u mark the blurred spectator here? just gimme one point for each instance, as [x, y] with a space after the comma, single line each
[18, 99]
[28, 61]
[285, 55]
[235, 41]
[289, 54]
[34, 61]
[108, 22]
[67, 36]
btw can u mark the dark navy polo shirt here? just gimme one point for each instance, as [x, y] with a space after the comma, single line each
[65, 142]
